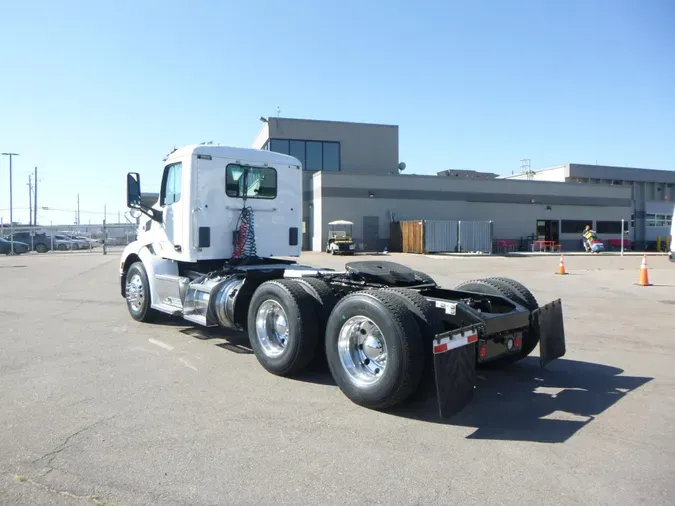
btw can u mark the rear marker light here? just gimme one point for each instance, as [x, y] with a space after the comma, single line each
[483, 351]
[517, 343]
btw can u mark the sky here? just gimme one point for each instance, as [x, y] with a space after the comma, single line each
[92, 90]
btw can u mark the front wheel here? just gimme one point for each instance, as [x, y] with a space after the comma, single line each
[374, 349]
[137, 293]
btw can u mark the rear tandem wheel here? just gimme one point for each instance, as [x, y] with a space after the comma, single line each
[515, 291]
[374, 349]
[282, 326]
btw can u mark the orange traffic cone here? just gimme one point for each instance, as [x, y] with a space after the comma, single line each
[644, 275]
[561, 267]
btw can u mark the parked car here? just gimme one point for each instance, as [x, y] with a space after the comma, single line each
[91, 243]
[62, 243]
[41, 242]
[78, 243]
[19, 247]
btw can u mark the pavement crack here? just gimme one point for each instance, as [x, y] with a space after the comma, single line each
[64, 445]
[89, 497]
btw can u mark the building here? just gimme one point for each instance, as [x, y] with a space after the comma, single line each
[353, 172]
[330, 147]
[518, 209]
[652, 194]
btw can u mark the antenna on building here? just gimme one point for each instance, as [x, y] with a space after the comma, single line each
[278, 111]
[526, 167]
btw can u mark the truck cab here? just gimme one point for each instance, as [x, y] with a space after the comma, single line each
[204, 190]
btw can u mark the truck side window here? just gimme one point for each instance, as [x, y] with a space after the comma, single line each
[261, 182]
[171, 184]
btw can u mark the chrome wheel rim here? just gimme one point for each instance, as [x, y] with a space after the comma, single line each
[135, 293]
[362, 350]
[271, 328]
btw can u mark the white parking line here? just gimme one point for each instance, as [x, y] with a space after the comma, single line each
[161, 344]
[187, 364]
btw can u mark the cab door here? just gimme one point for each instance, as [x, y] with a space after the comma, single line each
[172, 240]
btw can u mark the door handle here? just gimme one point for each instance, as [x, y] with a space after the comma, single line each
[178, 248]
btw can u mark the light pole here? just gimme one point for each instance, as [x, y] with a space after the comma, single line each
[11, 207]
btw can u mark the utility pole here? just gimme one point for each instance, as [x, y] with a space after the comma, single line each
[35, 202]
[30, 199]
[11, 205]
[78, 209]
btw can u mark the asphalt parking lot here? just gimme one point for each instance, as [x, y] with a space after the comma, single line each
[99, 409]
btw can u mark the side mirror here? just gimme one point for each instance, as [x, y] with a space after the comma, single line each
[133, 190]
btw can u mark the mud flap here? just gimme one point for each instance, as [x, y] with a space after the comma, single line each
[547, 322]
[455, 369]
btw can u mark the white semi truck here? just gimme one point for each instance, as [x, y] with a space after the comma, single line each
[209, 252]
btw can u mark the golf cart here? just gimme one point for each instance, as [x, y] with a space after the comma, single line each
[340, 238]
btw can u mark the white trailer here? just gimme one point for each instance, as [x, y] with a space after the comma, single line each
[208, 253]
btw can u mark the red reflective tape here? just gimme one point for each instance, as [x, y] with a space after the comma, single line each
[472, 339]
[440, 348]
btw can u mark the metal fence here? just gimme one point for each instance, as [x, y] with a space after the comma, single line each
[475, 236]
[440, 236]
[69, 239]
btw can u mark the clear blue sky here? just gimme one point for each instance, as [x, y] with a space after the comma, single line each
[91, 90]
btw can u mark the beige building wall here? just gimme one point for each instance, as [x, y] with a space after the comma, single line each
[513, 206]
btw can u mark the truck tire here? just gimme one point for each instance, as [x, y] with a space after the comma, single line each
[429, 325]
[325, 300]
[374, 349]
[506, 287]
[423, 277]
[528, 300]
[282, 326]
[137, 294]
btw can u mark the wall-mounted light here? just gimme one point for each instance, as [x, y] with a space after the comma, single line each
[371, 194]
[532, 201]
[548, 208]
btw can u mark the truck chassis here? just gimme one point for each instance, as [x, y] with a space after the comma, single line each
[380, 326]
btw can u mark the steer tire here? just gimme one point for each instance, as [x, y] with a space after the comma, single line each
[402, 340]
[301, 323]
[324, 300]
[512, 290]
[144, 313]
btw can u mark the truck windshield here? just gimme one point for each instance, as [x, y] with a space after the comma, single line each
[244, 181]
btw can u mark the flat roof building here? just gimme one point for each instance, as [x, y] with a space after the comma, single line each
[353, 172]
[652, 193]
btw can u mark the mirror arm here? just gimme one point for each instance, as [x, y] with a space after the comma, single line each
[151, 212]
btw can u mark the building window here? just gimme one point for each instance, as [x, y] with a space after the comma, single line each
[658, 220]
[575, 226]
[297, 149]
[331, 156]
[279, 146]
[314, 155]
[608, 227]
